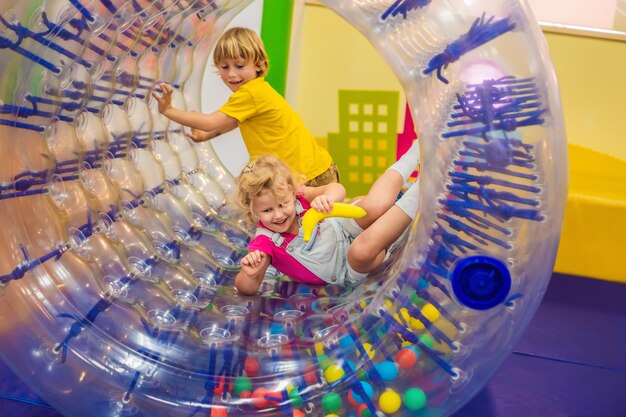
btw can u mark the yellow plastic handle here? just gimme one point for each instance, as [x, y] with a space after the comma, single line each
[312, 217]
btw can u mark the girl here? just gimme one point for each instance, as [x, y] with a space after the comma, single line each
[266, 121]
[343, 251]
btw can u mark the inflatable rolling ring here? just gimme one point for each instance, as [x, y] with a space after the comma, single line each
[118, 257]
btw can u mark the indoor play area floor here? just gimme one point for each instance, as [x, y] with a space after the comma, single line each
[570, 362]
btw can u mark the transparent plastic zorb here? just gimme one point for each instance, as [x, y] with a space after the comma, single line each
[117, 258]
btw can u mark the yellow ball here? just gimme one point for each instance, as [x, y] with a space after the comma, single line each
[333, 373]
[430, 312]
[369, 350]
[389, 402]
[331, 415]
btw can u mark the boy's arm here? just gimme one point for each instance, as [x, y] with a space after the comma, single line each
[212, 125]
[253, 268]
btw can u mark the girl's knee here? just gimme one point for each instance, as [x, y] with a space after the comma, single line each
[362, 255]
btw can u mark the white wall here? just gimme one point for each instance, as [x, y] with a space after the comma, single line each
[229, 147]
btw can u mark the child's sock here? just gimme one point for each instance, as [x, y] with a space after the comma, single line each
[407, 162]
[409, 202]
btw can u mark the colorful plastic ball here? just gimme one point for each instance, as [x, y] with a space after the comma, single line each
[219, 412]
[242, 383]
[324, 361]
[361, 375]
[331, 415]
[310, 377]
[389, 402]
[251, 366]
[431, 314]
[277, 328]
[245, 394]
[349, 365]
[365, 388]
[333, 373]
[298, 413]
[331, 402]
[387, 370]
[351, 399]
[406, 358]
[296, 399]
[363, 411]
[369, 350]
[346, 341]
[414, 399]
[427, 340]
[258, 398]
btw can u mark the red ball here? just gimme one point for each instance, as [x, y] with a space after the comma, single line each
[258, 398]
[219, 412]
[245, 394]
[406, 358]
[251, 366]
[363, 411]
[298, 413]
[310, 377]
[351, 399]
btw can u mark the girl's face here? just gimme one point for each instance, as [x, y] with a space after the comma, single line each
[276, 213]
[237, 72]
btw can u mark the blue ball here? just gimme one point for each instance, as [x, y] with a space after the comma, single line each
[387, 370]
[365, 387]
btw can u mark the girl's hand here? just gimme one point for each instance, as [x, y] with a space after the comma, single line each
[165, 99]
[198, 135]
[253, 262]
[323, 203]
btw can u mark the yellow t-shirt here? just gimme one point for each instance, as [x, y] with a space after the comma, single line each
[269, 125]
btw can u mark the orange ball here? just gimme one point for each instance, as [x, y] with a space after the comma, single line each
[406, 358]
[219, 412]
[297, 413]
[251, 366]
[351, 399]
[258, 398]
[310, 377]
[361, 409]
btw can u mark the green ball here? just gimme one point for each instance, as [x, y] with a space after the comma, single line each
[427, 340]
[296, 399]
[242, 383]
[416, 300]
[324, 361]
[414, 399]
[331, 402]
[361, 374]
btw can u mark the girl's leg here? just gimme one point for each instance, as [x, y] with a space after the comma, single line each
[368, 250]
[383, 193]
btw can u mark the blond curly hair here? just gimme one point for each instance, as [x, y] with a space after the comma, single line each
[266, 172]
[243, 43]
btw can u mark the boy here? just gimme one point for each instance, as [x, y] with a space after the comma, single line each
[266, 121]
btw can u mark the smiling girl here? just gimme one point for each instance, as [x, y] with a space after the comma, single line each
[342, 251]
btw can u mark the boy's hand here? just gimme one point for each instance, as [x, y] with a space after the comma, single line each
[252, 263]
[165, 99]
[323, 203]
[198, 135]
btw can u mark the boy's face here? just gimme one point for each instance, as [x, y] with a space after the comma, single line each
[237, 72]
[277, 213]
